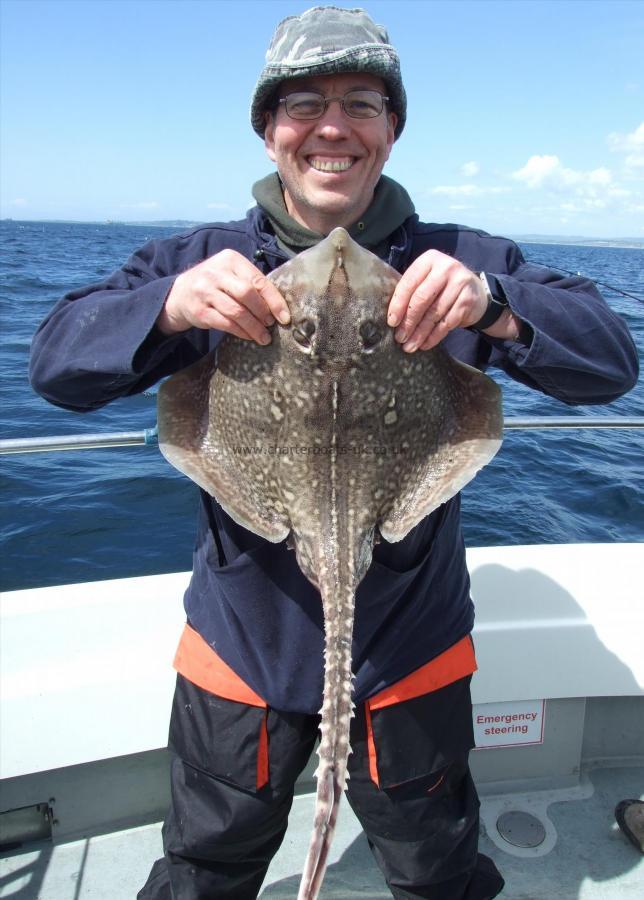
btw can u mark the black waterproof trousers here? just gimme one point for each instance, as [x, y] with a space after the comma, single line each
[422, 822]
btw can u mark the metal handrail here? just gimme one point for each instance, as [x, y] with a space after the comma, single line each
[149, 436]
[512, 423]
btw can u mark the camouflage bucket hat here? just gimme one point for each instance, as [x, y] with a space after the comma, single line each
[323, 41]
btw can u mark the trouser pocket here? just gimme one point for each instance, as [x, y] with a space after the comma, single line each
[415, 738]
[422, 819]
[410, 759]
[222, 738]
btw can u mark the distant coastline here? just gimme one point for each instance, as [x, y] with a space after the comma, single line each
[630, 243]
[154, 223]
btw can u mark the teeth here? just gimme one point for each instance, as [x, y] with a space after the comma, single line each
[336, 165]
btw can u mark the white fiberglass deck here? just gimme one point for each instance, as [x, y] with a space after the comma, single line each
[84, 713]
[590, 860]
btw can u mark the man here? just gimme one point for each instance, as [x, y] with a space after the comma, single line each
[329, 104]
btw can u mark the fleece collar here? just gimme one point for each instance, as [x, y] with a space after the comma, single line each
[390, 207]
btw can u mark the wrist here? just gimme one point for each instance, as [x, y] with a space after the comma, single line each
[164, 323]
[497, 306]
[507, 326]
[498, 320]
[168, 321]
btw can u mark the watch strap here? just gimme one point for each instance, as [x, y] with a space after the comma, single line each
[496, 305]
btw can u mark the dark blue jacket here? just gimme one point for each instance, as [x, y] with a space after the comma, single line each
[247, 597]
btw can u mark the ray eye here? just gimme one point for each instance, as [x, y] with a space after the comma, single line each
[370, 334]
[303, 332]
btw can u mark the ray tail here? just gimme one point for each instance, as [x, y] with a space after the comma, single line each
[337, 710]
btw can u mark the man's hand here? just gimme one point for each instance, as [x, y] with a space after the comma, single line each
[225, 292]
[435, 295]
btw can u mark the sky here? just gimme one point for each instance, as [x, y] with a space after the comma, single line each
[523, 117]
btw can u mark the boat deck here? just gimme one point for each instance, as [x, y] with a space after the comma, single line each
[584, 855]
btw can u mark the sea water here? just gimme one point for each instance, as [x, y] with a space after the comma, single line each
[94, 514]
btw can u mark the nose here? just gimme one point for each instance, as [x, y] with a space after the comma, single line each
[334, 121]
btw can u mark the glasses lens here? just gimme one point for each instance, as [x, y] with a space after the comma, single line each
[304, 105]
[311, 105]
[363, 104]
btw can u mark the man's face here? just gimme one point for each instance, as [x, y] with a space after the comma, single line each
[304, 149]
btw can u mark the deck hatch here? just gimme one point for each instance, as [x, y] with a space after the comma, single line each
[521, 829]
[24, 825]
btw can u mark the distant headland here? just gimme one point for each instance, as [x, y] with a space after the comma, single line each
[632, 243]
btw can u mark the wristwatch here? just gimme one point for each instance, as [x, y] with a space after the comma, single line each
[496, 304]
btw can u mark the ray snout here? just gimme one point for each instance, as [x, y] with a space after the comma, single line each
[339, 263]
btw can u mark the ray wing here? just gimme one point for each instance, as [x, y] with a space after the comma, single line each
[448, 427]
[218, 423]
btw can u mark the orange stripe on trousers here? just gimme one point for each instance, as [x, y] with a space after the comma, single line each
[198, 662]
[454, 663]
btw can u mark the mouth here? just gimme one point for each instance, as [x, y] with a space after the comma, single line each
[329, 164]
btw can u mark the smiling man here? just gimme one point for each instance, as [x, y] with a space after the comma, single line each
[330, 137]
[329, 105]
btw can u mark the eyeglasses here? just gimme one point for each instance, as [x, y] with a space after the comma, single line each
[312, 105]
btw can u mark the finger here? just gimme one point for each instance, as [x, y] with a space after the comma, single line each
[238, 287]
[421, 334]
[410, 281]
[421, 305]
[270, 299]
[438, 330]
[236, 312]
[438, 333]
[447, 306]
[214, 318]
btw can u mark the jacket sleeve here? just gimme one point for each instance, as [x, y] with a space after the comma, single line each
[580, 351]
[100, 342]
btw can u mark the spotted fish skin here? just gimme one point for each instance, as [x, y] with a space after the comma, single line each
[351, 439]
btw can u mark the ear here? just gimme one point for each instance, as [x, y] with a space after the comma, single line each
[269, 135]
[392, 121]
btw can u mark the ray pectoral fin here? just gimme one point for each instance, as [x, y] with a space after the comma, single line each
[197, 438]
[467, 440]
[451, 468]
[182, 413]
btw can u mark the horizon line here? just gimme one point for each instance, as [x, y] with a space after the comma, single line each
[520, 236]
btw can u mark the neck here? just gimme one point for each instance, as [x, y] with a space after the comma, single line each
[320, 221]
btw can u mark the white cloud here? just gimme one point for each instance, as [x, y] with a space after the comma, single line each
[631, 144]
[537, 170]
[467, 190]
[20, 201]
[578, 190]
[224, 206]
[545, 188]
[548, 171]
[470, 169]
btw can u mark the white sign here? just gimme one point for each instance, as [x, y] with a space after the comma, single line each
[508, 724]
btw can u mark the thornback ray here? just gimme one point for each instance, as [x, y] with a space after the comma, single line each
[333, 437]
